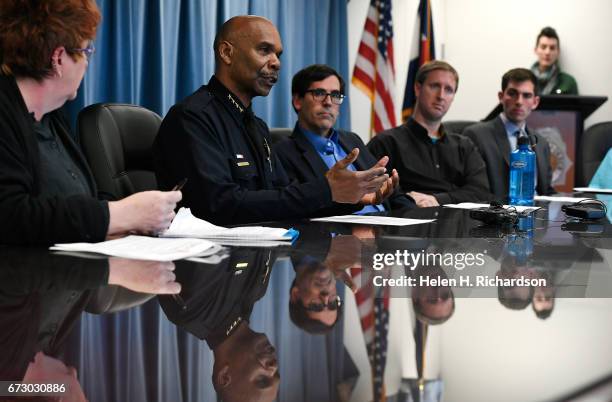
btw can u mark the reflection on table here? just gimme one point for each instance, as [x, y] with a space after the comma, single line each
[311, 323]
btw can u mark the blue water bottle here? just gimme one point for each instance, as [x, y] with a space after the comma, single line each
[522, 173]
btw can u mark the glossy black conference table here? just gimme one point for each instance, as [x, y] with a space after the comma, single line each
[444, 311]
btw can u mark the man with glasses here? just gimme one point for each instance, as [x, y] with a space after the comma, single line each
[497, 138]
[314, 304]
[315, 146]
[213, 139]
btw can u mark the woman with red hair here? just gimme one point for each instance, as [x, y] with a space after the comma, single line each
[47, 192]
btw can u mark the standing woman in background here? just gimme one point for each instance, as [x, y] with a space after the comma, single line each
[47, 192]
[551, 80]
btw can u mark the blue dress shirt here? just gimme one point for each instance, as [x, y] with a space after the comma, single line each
[330, 150]
[511, 132]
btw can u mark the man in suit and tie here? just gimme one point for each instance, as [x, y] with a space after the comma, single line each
[315, 146]
[497, 138]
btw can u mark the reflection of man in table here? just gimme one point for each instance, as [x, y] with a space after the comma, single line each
[514, 297]
[543, 301]
[497, 138]
[433, 304]
[314, 303]
[215, 305]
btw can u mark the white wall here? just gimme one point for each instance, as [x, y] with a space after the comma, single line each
[484, 38]
[542, 361]
[556, 356]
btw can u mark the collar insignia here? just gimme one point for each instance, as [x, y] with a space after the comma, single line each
[229, 96]
[233, 326]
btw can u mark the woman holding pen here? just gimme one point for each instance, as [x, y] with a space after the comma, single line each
[47, 192]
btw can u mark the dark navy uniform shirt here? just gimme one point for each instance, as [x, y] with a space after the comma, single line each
[217, 299]
[233, 176]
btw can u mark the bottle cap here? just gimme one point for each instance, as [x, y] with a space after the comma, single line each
[523, 140]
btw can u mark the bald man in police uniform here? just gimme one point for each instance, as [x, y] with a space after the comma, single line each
[215, 305]
[213, 139]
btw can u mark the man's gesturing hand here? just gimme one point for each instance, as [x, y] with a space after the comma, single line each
[348, 186]
[387, 188]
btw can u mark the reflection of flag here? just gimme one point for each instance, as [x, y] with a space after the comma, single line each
[373, 307]
[423, 41]
[374, 73]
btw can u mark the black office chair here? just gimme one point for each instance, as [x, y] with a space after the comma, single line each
[594, 144]
[457, 126]
[117, 140]
[278, 134]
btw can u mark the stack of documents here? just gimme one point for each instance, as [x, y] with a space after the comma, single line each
[187, 225]
[145, 248]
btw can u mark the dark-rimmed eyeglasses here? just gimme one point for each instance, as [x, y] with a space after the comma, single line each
[88, 51]
[320, 94]
[333, 304]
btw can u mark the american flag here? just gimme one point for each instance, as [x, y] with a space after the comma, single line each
[423, 50]
[373, 308]
[374, 73]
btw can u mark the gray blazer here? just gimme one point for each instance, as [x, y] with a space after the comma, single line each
[492, 141]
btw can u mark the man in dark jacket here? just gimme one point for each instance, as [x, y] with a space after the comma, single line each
[213, 138]
[315, 146]
[497, 138]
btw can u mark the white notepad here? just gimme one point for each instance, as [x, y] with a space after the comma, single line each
[143, 248]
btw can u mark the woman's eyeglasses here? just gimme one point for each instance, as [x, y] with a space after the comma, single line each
[88, 51]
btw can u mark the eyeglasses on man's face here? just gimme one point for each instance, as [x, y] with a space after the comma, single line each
[320, 95]
[333, 304]
[87, 51]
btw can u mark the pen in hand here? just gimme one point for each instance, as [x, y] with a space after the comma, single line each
[180, 185]
[179, 300]
[177, 297]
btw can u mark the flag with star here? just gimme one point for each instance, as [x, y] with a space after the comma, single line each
[423, 50]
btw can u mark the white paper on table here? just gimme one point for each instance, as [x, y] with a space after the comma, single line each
[593, 190]
[187, 225]
[555, 198]
[473, 205]
[373, 220]
[143, 248]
